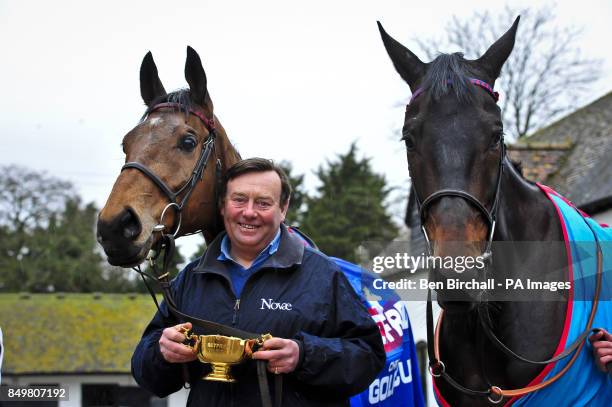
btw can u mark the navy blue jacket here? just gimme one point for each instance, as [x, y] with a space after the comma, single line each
[341, 350]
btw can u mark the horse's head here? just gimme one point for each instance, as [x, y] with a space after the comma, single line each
[174, 157]
[454, 141]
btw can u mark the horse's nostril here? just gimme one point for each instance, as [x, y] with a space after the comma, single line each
[130, 226]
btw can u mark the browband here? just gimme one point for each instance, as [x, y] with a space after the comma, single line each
[473, 81]
[209, 123]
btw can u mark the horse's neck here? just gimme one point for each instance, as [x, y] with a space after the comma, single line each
[529, 328]
[228, 156]
[528, 221]
[228, 153]
[525, 213]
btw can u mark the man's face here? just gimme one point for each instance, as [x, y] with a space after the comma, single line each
[252, 212]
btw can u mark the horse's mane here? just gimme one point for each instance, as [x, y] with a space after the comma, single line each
[518, 166]
[449, 73]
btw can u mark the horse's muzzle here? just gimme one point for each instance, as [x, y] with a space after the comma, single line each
[118, 237]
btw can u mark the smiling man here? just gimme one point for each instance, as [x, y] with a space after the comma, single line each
[255, 205]
[260, 277]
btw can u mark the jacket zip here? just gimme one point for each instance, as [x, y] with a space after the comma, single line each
[237, 301]
[236, 309]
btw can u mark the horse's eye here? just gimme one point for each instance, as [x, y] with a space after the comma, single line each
[409, 140]
[188, 143]
[496, 139]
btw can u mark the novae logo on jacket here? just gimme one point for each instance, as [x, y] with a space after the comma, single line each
[271, 305]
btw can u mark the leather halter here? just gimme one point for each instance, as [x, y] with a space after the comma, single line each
[436, 367]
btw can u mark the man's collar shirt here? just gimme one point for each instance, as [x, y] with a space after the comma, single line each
[238, 273]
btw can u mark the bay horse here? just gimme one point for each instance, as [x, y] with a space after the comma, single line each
[175, 157]
[468, 191]
[169, 187]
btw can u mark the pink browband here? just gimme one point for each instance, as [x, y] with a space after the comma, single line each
[209, 123]
[473, 81]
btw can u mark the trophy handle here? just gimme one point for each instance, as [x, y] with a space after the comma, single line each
[192, 341]
[253, 345]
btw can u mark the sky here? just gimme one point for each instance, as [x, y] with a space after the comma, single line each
[295, 81]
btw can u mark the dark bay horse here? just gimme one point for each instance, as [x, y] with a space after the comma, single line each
[174, 159]
[470, 192]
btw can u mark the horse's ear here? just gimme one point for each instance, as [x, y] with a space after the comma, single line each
[408, 65]
[497, 54]
[195, 76]
[150, 85]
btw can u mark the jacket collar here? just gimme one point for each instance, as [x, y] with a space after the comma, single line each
[289, 253]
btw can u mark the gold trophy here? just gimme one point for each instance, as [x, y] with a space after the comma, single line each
[222, 352]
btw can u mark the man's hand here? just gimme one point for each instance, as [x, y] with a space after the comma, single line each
[282, 355]
[171, 346]
[602, 348]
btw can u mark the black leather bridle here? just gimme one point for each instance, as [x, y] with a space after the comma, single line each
[490, 215]
[436, 367]
[196, 175]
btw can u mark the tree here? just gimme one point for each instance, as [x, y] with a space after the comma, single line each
[47, 238]
[62, 255]
[545, 75]
[298, 195]
[349, 208]
[28, 199]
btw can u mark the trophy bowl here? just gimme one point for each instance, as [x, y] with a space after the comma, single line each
[221, 352]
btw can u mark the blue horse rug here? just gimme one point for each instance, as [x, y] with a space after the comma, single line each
[583, 384]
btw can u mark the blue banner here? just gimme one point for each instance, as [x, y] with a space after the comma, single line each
[399, 383]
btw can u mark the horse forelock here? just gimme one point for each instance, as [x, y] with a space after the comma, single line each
[182, 97]
[449, 74]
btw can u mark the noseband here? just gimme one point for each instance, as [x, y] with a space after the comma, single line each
[490, 215]
[197, 173]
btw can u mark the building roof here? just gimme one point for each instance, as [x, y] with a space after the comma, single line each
[72, 333]
[539, 160]
[584, 173]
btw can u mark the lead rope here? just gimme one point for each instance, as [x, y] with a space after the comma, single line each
[168, 247]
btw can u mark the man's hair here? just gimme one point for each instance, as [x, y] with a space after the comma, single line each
[256, 164]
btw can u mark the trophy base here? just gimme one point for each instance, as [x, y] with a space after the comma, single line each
[220, 373]
[213, 378]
